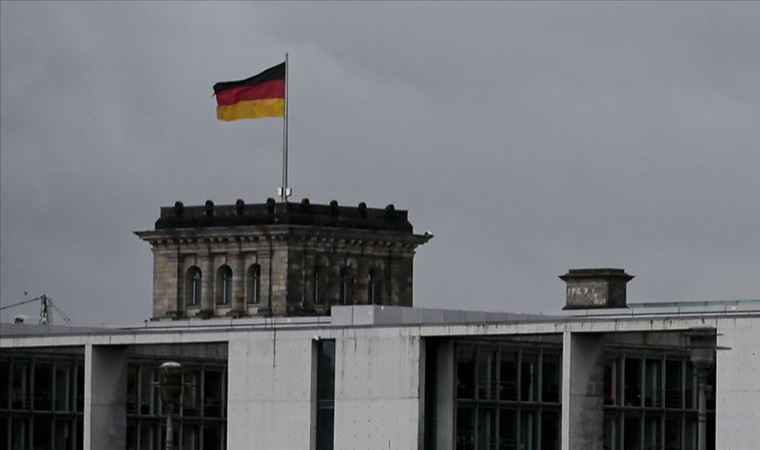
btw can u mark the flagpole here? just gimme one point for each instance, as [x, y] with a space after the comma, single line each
[284, 190]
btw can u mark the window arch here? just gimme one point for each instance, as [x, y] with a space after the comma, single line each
[374, 288]
[343, 291]
[224, 285]
[193, 285]
[253, 282]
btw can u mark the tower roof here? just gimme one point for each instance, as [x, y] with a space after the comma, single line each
[273, 213]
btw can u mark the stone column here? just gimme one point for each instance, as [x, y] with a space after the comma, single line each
[105, 397]
[264, 260]
[238, 285]
[165, 282]
[207, 284]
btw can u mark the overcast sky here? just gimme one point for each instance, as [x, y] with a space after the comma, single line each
[530, 138]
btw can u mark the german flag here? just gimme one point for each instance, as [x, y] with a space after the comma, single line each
[261, 95]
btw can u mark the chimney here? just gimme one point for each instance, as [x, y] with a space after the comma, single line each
[596, 288]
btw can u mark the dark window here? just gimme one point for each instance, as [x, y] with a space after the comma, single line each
[343, 294]
[466, 372]
[529, 377]
[653, 383]
[658, 409]
[191, 392]
[43, 386]
[325, 393]
[632, 382]
[673, 384]
[63, 386]
[507, 397]
[550, 371]
[199, 423]
[632, 433]
[550, 430]
[487, 379]
[508, 429]
[224, 285]
[19, 384]
[508, 375]
[4, 388]
[193, 286]
[212, 394]
[40, 388]
[132, 392]
[254, 281]
[610, 382]
[465, 439]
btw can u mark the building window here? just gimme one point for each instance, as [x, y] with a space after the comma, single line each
[325, 393]
[650, 401]
[507, 396]
[343, 294]
[36, 401]
[254, 281]
[316, 299]
[224, 285]
[374, 289]
[200, 420]
[193, 286]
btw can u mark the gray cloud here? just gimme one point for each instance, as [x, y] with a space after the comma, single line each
[529, 138]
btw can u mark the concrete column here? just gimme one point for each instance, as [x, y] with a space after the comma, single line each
[737, 414]
[378, 391]
[445, 402]
[238, 285]
[582, 391]
[269, 395]
[105, 397]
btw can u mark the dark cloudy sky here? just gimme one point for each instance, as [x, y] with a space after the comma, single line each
[530, 138]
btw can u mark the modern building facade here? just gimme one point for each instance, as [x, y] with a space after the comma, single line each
[352, 372]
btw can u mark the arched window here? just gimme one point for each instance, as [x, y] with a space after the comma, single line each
[316, 299]
[253, 279]
[343, 294]
[224, 285]
[193, 286]
[374, 289]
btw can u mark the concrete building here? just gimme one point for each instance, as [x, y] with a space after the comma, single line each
[603, 373]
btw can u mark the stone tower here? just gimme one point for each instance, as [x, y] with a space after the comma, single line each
[279, 259]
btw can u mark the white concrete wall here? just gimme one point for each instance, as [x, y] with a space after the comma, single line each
[738, 379]
[105, 397]
[269, 391]
[378, 393]
[582, 390]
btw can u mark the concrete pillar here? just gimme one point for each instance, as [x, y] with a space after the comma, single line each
[105, 397]
[378, 391]
[269, 397]
[737, 414]
[445, 402]
[582, 391]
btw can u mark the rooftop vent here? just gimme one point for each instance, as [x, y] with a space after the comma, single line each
[596, 288]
